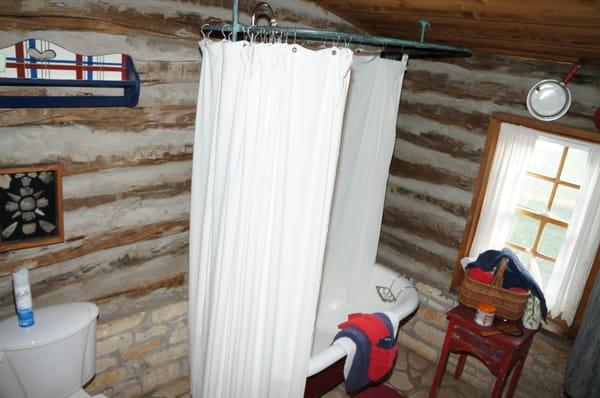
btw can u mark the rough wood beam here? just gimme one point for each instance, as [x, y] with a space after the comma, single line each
[428, 173]
[160, 272]
[96, 149]
[148, 192]
[424, 225]
[418, 253]
[114, 119]
[446, 114]
[96, 264]
[456, 209]
[88, 244]
[440, 143]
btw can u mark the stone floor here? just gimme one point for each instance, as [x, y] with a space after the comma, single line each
[413, 376]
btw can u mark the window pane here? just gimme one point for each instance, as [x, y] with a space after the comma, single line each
[535, 194]
[546, 268]
[574, 168]
[564, 202]
[552, 239]
[546, 158]
[523, 230]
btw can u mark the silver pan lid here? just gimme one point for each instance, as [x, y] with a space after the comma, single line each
[548, 100]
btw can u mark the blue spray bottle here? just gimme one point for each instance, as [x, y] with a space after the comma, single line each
[23, 298]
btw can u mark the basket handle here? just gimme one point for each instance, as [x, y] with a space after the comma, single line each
[499, 275]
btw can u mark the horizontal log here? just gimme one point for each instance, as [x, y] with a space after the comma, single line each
[514, 66]
[81, 145]
[505, 90]
[414, 123]
[152, 94]
[413, 269]
[182, 20]
[95, 264]
[101, 163]
[540, 31]
[108, 119]
[561, 51]
[456, 209]
[117, 307]
[418, 253]
[155, 72]
[551, 12]
[125, 213]
[425, 225]
[149, 192]
[417, 154]
[511, 30]
[476, 122]
[447, 194]
[121, 180]
[83, 245]
[440, 143]
[428, 173]
[465, 112]
[165, 271]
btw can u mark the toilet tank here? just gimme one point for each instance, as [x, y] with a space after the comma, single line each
[53, 358]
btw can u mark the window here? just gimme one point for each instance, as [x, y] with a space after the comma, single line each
[550, 190]
[537, 192]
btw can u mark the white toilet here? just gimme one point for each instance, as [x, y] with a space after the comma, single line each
[54, 358]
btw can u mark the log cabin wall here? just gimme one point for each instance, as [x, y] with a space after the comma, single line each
[127, 178]
[443, 120]
[442, 124]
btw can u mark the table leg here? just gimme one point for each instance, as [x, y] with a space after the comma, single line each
[514, 380]
[501, 379]
[441, 368]
[460, 366]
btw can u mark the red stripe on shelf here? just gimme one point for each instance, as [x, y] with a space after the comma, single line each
[19, 53]
[65, 67]
[78, 70]
[124, 62]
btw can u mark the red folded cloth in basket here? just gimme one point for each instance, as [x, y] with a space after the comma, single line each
[480, 275]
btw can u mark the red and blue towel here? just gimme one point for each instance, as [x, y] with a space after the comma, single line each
[376, 349]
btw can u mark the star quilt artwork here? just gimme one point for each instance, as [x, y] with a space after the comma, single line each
[30, 206]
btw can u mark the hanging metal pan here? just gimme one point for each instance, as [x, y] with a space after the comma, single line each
[550, 99]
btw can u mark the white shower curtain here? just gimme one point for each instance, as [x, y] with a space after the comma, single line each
[367, 146]
[266, 147]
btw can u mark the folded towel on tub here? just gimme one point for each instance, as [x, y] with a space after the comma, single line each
[370, 343]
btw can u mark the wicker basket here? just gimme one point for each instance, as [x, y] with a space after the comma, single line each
[508, 304]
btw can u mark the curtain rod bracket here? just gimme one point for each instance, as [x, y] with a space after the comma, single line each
[424, 25]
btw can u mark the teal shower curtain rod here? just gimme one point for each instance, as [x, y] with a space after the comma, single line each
[235, 27]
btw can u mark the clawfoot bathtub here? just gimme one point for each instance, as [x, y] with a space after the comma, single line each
[385, 292]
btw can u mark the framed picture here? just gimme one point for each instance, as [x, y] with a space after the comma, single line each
[31, 206]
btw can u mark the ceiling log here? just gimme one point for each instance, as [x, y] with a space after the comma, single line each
[551, 29]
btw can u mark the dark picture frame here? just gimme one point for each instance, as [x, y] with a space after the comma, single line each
[31, 206]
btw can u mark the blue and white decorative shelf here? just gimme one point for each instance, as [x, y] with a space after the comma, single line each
[40, 63]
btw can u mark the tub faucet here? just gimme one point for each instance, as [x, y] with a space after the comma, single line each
[386, 293]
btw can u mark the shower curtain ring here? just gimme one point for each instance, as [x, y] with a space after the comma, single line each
[223, 31]
[202, 31]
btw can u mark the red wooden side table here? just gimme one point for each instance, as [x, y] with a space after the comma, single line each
[500, 353]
